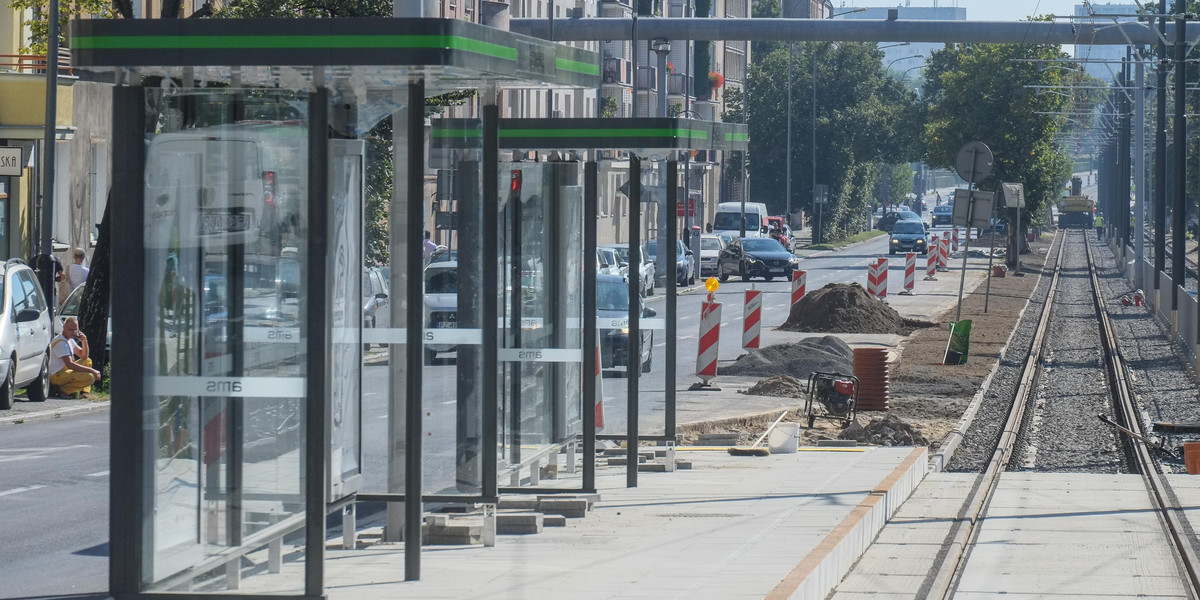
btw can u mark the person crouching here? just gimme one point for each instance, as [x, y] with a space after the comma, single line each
[69, 354]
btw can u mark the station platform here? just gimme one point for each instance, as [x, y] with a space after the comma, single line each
[781, 526]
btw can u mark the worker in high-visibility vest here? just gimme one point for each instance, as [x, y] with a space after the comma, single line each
[1099, 223]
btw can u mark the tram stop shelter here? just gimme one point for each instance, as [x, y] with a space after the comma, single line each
[247, 412]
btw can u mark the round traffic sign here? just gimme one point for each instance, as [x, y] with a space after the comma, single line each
[974, 161]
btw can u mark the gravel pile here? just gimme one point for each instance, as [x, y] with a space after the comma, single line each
[780, 386]
[798, 359]
[847, 308]
[888, 431]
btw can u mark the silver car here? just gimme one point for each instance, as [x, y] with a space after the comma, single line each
[25, 333]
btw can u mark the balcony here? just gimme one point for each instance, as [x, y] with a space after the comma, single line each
[35, 63]
[618, 71]
[679, 84]
[647, 78]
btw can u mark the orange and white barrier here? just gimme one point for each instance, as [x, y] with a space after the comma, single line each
[931, 262]
[944, 251]
[710, 335]
[752, 319]
[877, 273]
[954, 240]
[910, 273]
[599, 386]
[799, 281]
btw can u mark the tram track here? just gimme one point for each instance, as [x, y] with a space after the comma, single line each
[1030, 418]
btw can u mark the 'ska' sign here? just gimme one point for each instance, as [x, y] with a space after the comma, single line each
[10, 161]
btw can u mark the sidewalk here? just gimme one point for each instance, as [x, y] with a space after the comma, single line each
[782, 526]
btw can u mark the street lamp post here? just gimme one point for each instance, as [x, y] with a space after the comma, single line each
[889, 65]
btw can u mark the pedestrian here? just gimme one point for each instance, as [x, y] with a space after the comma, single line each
[73, 372]
[77, 273]
[50, 275]
[430, 247]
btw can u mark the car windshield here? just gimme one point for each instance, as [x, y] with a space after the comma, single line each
[907, 216]
[622, 253]
[652, 248]
[729, 220]
[69, 308]
[611, 296]
[762, 245]
[710, 244]
[441, 281]
[945, 208]
[908, 227]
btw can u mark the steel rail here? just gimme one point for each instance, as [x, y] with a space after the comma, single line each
[947, 577]
[1127, 413]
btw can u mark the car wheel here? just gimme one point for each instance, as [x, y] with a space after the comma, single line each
[39, 388]
[7, 390]
[892, 251]
[723, 277]
[650, 290]
[646, 365]
[789, 276]
[769, 277]
[367, 346]
[744, 274]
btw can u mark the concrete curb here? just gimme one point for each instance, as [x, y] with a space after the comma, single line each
[45, 415]
[938, 461]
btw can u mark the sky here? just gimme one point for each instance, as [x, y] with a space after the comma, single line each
[989, 10]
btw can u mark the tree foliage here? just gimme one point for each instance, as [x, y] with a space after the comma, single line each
[862, 119]
[39, 26]
[980, 93]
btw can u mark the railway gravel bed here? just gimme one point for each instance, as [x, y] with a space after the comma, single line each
[1165, 390]
[979, 441]
[1060, 431]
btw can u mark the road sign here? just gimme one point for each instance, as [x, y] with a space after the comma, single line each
[820, 194]
[980, 215]
[10, 161]
[974, 161]
[1014, 195]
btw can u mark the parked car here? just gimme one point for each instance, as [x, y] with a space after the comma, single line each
[943, 215]
[443, 254]
[25, 333]
[376, 303]
[441, 303]
[711, 246]
[756, 257]
[685, 265]
[607, 262]
[612, 314]
[889, 219]
[287, 278]
[70, 308]
[909, 236]
[645, 274]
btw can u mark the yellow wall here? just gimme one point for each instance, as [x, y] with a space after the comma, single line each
[10, 31]
[23, 100]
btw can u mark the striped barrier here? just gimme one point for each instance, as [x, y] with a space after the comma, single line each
[954, 240]
[710, 335]
[944, 251]
[910, 273]
[799, 281]
[751, 319]
[599, 386]
[931, 263]
[877, 278]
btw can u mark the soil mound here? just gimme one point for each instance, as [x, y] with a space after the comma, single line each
[846, 308]
[798, 359]
[780, 386]
[888, 431]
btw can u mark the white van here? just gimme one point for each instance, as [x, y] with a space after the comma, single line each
[729, 218]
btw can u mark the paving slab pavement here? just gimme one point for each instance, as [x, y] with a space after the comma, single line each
[782, 526]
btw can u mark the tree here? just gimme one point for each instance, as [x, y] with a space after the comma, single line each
[980, 93]
[39, 26]
[860, 122]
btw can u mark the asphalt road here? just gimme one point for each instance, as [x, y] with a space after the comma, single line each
[54, 502]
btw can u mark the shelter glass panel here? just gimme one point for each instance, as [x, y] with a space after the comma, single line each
[225, 235]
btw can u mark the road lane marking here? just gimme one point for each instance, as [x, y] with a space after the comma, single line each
[98, 474]
[21, 489]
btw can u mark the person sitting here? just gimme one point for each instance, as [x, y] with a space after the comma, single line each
[72, 369]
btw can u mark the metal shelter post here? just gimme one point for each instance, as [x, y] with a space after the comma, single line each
[672, 301]
[1123, 167]
[1139, 162]
[1180, 164]
[489, 300]
[590, 356]
[415, 324]
[633, 360]
[1160, 154]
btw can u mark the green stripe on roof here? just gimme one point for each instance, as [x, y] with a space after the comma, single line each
[261, 42]
[567, 64]
[737, 137]
[602, 133]
[456, 133]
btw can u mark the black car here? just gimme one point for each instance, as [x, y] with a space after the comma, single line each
[886, 222]
[908, 236]
[756, 257]
[612, 317]
[942, 215]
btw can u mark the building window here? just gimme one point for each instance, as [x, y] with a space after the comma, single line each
[98, 186]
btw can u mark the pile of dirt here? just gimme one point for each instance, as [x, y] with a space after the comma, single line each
[888, 431]
[779, 386]
[798, 359]
[847, 308]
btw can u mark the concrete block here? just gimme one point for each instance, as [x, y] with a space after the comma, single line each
[518, 523]
[554, 521]
[454, 533]
[622, 461]
[517, 503]
[683, 464]
[592, 499]
[567, 507]
[550, 471]
[837, 443]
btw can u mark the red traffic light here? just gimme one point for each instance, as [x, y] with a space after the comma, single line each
[515, 188]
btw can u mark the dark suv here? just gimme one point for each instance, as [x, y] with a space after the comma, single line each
[908, 236]
[942, 215]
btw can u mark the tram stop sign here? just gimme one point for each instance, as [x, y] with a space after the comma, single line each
[974, 162]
